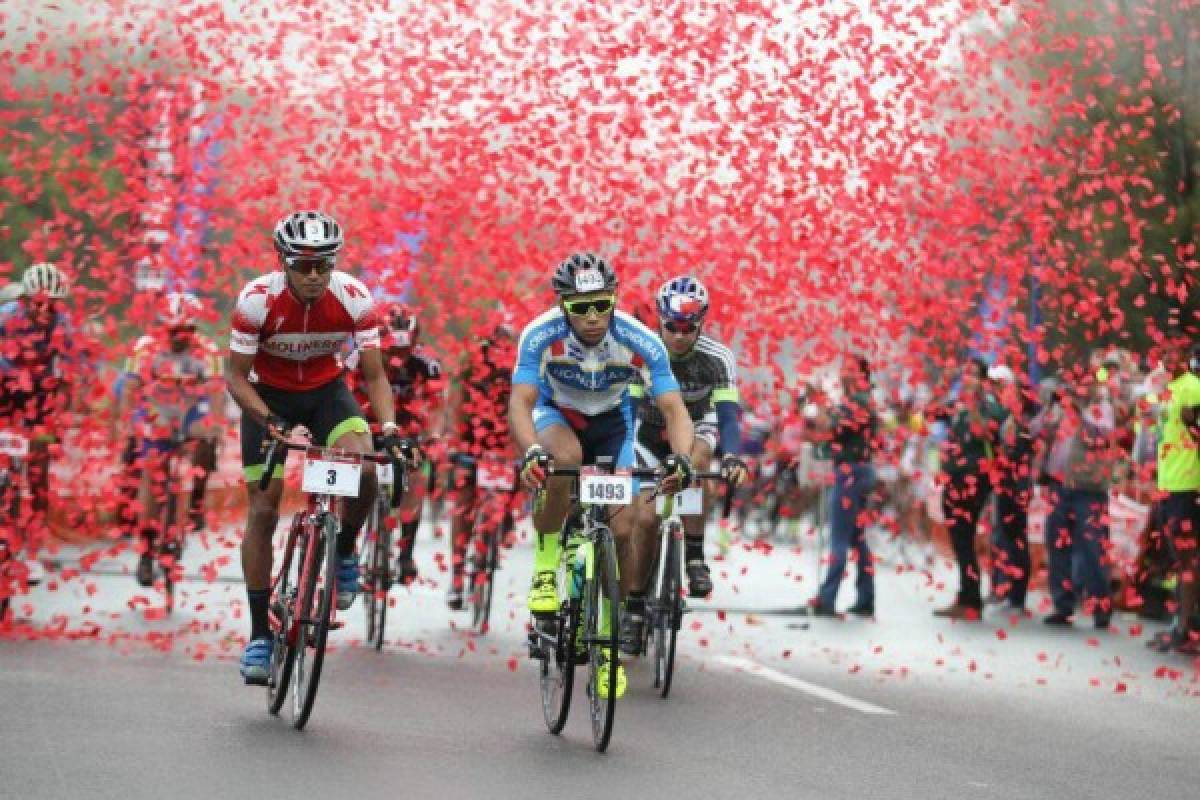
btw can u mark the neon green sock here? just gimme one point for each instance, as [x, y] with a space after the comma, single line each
[545, 552]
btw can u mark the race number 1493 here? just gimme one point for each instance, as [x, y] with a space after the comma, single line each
[611, 490]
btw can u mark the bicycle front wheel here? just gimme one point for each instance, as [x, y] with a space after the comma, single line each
[490, 527]
[557, 649]
[669, 616]
[320, 569]
[601, 632]
[170, 545]
[378, 576]
[284, 600]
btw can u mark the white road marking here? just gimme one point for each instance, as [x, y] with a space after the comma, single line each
[754, 668]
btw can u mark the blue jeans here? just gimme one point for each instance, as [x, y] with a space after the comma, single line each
[847, 515]
[1077, 549]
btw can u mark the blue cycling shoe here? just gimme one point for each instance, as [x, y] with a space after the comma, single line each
[256, 661]
[347, 581]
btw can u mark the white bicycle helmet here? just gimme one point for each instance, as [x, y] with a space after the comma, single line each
[44, 278]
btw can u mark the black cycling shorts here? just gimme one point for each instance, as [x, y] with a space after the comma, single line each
[329, 412]
[653, 447]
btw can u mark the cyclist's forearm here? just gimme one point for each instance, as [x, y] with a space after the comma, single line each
[379, 392]
[247, 398]
[680, 431]
[520, 420]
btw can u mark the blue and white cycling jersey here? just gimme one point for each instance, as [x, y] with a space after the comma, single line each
[591, 380]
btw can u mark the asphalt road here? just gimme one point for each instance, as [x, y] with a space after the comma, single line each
[764, 705]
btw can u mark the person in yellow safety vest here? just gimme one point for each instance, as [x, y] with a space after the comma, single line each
[1179, 480]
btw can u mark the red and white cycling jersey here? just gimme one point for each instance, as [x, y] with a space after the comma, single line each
[295, 345]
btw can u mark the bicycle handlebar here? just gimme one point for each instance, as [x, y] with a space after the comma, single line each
[656, 474]
[399, 465]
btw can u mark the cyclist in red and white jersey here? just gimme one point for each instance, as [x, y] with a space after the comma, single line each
[283, 371]
[418, 391]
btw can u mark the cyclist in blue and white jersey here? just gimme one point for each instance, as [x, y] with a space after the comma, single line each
[570, 405]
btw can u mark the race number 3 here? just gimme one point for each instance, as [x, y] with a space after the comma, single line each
[606, 490]
[323, 476]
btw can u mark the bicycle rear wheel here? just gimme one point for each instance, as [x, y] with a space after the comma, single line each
[320, 569]
[283, 606]
[602, 602]
[670, 610]
[482, 578]
[378, 575]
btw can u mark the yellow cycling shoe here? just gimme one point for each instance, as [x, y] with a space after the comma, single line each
[543, 595]
[602, 676]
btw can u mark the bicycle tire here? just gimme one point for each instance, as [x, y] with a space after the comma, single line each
[283, 655]
[169, 508]
[482, 578]
[320, 593]
[366, 570]
[603, 597]
[5, 584]
[556, 675]
[483, 625]
[375, 558]
[670, 604]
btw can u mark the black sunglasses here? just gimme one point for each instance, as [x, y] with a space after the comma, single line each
[580, 308]
[305, 265]
[680, 326]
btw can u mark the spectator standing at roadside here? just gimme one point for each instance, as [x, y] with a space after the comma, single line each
[973, 420]
[1081, 459]
[1013, 490]
[1179, 488]
[850, 430]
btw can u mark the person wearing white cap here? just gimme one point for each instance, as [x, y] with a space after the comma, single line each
[1000, 375]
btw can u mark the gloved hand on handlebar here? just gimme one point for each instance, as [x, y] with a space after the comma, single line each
[534, 466]
[679, 472]
[734, 470]
[402, 447]
[277, 427]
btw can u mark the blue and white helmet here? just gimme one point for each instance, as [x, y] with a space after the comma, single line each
[682, 299]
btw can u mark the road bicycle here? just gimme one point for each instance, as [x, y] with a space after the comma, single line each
[495, 482]
[302, 607]
[167, 478]
[585, 630]
[375, 561]
[665, 606]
